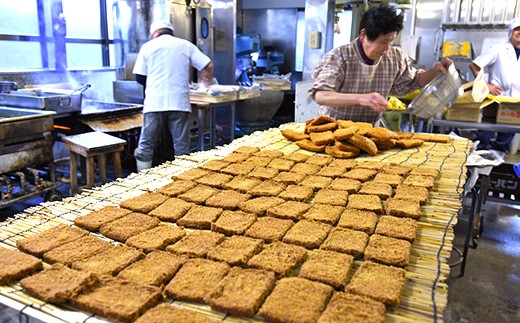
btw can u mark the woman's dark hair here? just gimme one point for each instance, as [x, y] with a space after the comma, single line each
[381, 20]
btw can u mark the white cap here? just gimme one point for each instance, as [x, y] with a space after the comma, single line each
[512, 25]
[160, 24]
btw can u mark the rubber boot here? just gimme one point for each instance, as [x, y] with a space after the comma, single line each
[141, 165]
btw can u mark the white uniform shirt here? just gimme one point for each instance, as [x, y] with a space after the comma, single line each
[166, 62]
[502, 67]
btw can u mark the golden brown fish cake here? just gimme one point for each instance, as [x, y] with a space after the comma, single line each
[196, 244]
[403, 208]
[307, 144]
[316, 182]
[166, 312]
[214, 165]
[289, 210]
[414, 193]
[320, 160]
[297, 193]
[345, 307]
[118, 299]
[305, 168]
[420, 181]
[216, 180]
[281, 164]
[325, 213]
[321, 128]
[227, 199]
[196, 279]
[343, 134]
[144, 203]
[191, 174]
[267, 188]
[16, 265]
[247, 150]
[111, 261]
[332, 197]
[259, 160]
[358, 220]
[347, 241]
[200, 217]
[409, 143]
[199, 194]
[328, 267]
[94, 220]
[345, 184]
[156, 269]
[365, 202]
[364, 144]
[323, 119]
[390, 179]
[395, 227]
[259, 205]
[388, 251]
[279, 257]
[242, 183]
[297, 157]
[322, 138]
[308, 234]
[346, 146]
[177, 187]
[382, 190]
[289, 178]
[342, 124]
[269, 229]
[172, 210]
[58, 283]
[233, 222]
[128, 226]
[236, 250]
[334, 151]
[367, 281]
[242, 291]
[381, 134]
[296, 300]
[156, 238]
[294, 135]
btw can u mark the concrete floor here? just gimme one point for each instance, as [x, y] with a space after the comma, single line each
[489, 291]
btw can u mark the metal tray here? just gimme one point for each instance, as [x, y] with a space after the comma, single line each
[438, 95]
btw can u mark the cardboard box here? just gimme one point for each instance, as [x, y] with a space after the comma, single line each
[466, 108]
[509, 113]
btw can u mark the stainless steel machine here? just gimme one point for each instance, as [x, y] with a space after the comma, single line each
[25, 144]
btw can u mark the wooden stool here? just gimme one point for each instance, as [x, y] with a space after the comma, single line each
[90, 145]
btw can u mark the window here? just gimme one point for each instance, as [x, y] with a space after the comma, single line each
[56, 34]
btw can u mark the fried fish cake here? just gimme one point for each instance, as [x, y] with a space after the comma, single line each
[334, 151]
[364, 144]
[322, 138]
[294, 135]
[307, 144]
[343, 133]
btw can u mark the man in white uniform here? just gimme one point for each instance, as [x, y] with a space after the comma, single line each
[163, 68]
[502, 65]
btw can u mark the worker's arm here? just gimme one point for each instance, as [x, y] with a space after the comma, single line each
[373, 100]
[427, 76]
[493, 89]
[206, 75]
